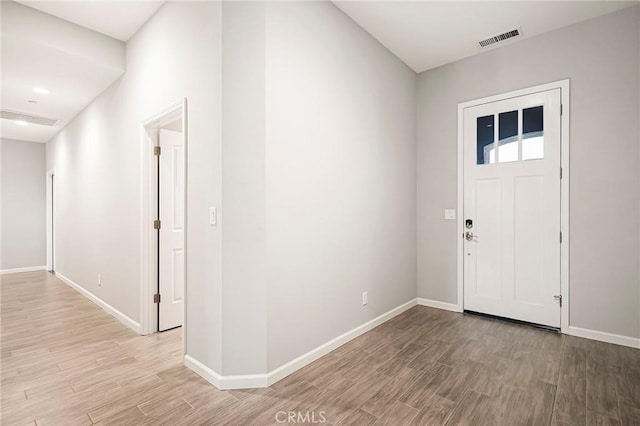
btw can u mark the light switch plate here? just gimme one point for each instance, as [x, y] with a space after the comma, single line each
[213, 216]
[450, 214]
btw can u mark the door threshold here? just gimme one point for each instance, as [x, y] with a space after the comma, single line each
[168, 329]
[514, 321]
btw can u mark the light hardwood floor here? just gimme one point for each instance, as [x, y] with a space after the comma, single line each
[66, 362]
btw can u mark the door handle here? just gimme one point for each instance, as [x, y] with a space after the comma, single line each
[469, 236]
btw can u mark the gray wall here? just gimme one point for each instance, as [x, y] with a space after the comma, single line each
[601, 57]
[23, 204]
[244, 291]
[340, 177]
[318, 181]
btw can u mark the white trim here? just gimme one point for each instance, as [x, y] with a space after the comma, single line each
[459, 234]
[454, 307]
[265, 380]
[560, 84]
[601, 336]
[564, 204]
[148, 274]
[564, 87]
[148, 243]
[225, 382]
[25, 269]
[133, 325]
[307, 358]
[248, 381]
[48, 220]
[203, 371]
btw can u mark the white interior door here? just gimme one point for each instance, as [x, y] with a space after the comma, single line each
[171, 243]
[512, 208]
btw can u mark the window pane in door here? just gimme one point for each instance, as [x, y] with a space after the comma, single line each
[484, 140]
[508, 136]
[533, 133]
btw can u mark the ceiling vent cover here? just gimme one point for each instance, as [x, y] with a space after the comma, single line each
[500, 37]
[18, 116]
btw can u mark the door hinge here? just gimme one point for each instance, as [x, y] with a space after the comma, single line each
[156, 224]
[560, 237]
[558, 297]
[560, 172]
[156, 150]
[156, 298]
[561, 109]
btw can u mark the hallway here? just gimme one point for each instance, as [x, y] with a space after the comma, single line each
[66, 362]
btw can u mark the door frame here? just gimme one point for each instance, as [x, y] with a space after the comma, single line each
[50, 222]
[564, 87]
[149, 237]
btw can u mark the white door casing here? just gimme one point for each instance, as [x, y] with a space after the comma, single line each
[50, 222]
[512, 263]
[171, 236]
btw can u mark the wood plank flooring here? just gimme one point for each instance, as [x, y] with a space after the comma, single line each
[66, 362]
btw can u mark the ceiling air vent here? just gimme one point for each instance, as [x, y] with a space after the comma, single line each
[18, 116]
[500, 37]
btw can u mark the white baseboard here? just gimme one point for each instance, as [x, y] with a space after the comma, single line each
[303, 360]
[133, 325]
[247, 381]
[203, 371]
[265, 380]
[439, 305]
[572, 331]
[616, 339]
[26, 269]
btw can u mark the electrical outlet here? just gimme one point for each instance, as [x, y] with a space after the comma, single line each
[213, 216]
[364, 299]
[99, 280]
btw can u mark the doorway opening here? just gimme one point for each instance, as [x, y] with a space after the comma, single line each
[513, 199]
[164, 254]
[50, 221]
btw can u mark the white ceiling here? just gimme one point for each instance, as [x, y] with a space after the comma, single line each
[427, 34]
[119, 19]
[73, 83]
[73, 62]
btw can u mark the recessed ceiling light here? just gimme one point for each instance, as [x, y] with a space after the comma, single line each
[21, 122]
[41, 90]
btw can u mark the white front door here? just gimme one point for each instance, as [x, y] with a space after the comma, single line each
[512, 208]
[171, 255]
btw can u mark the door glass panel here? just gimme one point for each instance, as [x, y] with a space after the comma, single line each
[508, 136]
[533, 133]
[484, 140]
